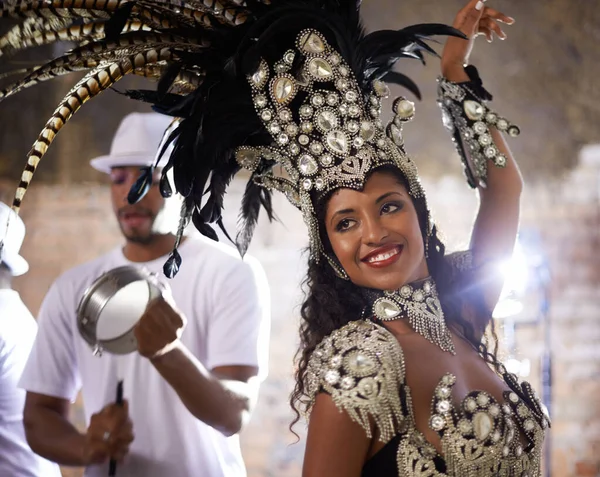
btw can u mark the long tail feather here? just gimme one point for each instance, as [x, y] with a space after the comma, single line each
[138, 44]
[86, 31]
[61, 8]
[91, 85]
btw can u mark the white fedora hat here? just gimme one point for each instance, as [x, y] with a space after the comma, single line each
[12, 239]
[135, 143]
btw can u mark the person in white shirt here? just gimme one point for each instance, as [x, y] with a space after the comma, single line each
[17, 334]
[194, 380]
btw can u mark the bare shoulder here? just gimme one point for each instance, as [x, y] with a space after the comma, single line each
[336, 445]
[361, 368]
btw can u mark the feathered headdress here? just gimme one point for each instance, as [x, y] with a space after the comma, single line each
[289, 90]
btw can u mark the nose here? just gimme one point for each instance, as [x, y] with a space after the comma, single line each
[374, 231]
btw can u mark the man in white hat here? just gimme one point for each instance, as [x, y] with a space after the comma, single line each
[187, 397]
[17, 334]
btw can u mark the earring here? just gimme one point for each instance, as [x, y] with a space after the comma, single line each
[341, 273]
[337, 268]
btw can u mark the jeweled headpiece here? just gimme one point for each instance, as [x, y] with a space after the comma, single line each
[291, 85]
[333, 138]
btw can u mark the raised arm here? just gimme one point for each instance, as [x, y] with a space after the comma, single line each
[495, 229]
[222, 391]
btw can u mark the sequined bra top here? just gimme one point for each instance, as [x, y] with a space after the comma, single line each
[361, 366]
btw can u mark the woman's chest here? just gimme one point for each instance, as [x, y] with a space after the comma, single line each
[458, 403]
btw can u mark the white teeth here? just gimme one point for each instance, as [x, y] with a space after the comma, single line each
[383, 256]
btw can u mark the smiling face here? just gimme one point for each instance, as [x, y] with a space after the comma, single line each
[375, 233]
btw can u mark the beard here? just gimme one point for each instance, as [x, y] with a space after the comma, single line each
[142, 234]
[139, 237]
[159, 223]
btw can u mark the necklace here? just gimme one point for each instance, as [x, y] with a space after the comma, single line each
[419, 302]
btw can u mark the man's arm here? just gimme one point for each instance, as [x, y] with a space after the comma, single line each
[221, 392]
[51, 435]
[223, 398]
[51, 378]
[46, 416]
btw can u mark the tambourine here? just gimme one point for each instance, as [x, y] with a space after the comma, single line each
[113, 304]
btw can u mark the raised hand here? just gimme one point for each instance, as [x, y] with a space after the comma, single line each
[473, 19]
[159, 328]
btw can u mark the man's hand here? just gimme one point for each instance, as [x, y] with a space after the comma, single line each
[159, 328]
[474, 19]
[109, 434]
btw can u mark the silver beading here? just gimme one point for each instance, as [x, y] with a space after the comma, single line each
[332, 138]
[420, 304]
[469, 120]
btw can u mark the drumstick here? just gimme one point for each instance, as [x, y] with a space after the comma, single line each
[112, 466]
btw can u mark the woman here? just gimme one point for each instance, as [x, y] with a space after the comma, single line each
[394, 369]
[449, 416]
[429, 402]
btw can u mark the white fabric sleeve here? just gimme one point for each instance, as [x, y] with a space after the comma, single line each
[52, 365]
[239, 318]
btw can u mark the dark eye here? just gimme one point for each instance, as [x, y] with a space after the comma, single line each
[390, 207]
[343, 224]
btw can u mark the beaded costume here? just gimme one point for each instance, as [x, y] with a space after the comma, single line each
[361, 366]
[291, 91]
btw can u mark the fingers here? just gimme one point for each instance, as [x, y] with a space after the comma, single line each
[487, 26]
[159, 327]
[486, 32]
[163, 315]
[498, 16]
[110, 433]
[469, 16]
[120, 442]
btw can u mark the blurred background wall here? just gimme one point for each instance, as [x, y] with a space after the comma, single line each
[544, 78]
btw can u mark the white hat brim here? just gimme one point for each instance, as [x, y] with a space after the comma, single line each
[17, 264]
[106, 163]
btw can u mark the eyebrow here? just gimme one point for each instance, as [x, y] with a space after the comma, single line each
[379, 200]
[385, 196]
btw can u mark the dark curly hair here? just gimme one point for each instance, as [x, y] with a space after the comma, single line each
[331, 302]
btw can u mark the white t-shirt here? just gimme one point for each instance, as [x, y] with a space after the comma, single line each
[17, 334]
[226, 301]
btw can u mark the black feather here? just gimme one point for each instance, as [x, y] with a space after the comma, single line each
[165, 187]
[224, 230]
[402, 80]
[203, 227]
[172, 265]
[115, 25]
[141, 186]
[248, 218]
[167, 79]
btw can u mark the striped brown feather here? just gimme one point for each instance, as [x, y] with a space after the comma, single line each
[88, 87]
[61, 8]
[165, 16]
[75, 33]
[231, 15]
[13, 39]
[125, 45]
[185, 82]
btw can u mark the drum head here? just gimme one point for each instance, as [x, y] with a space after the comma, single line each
[111, 307]
[123, 311]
